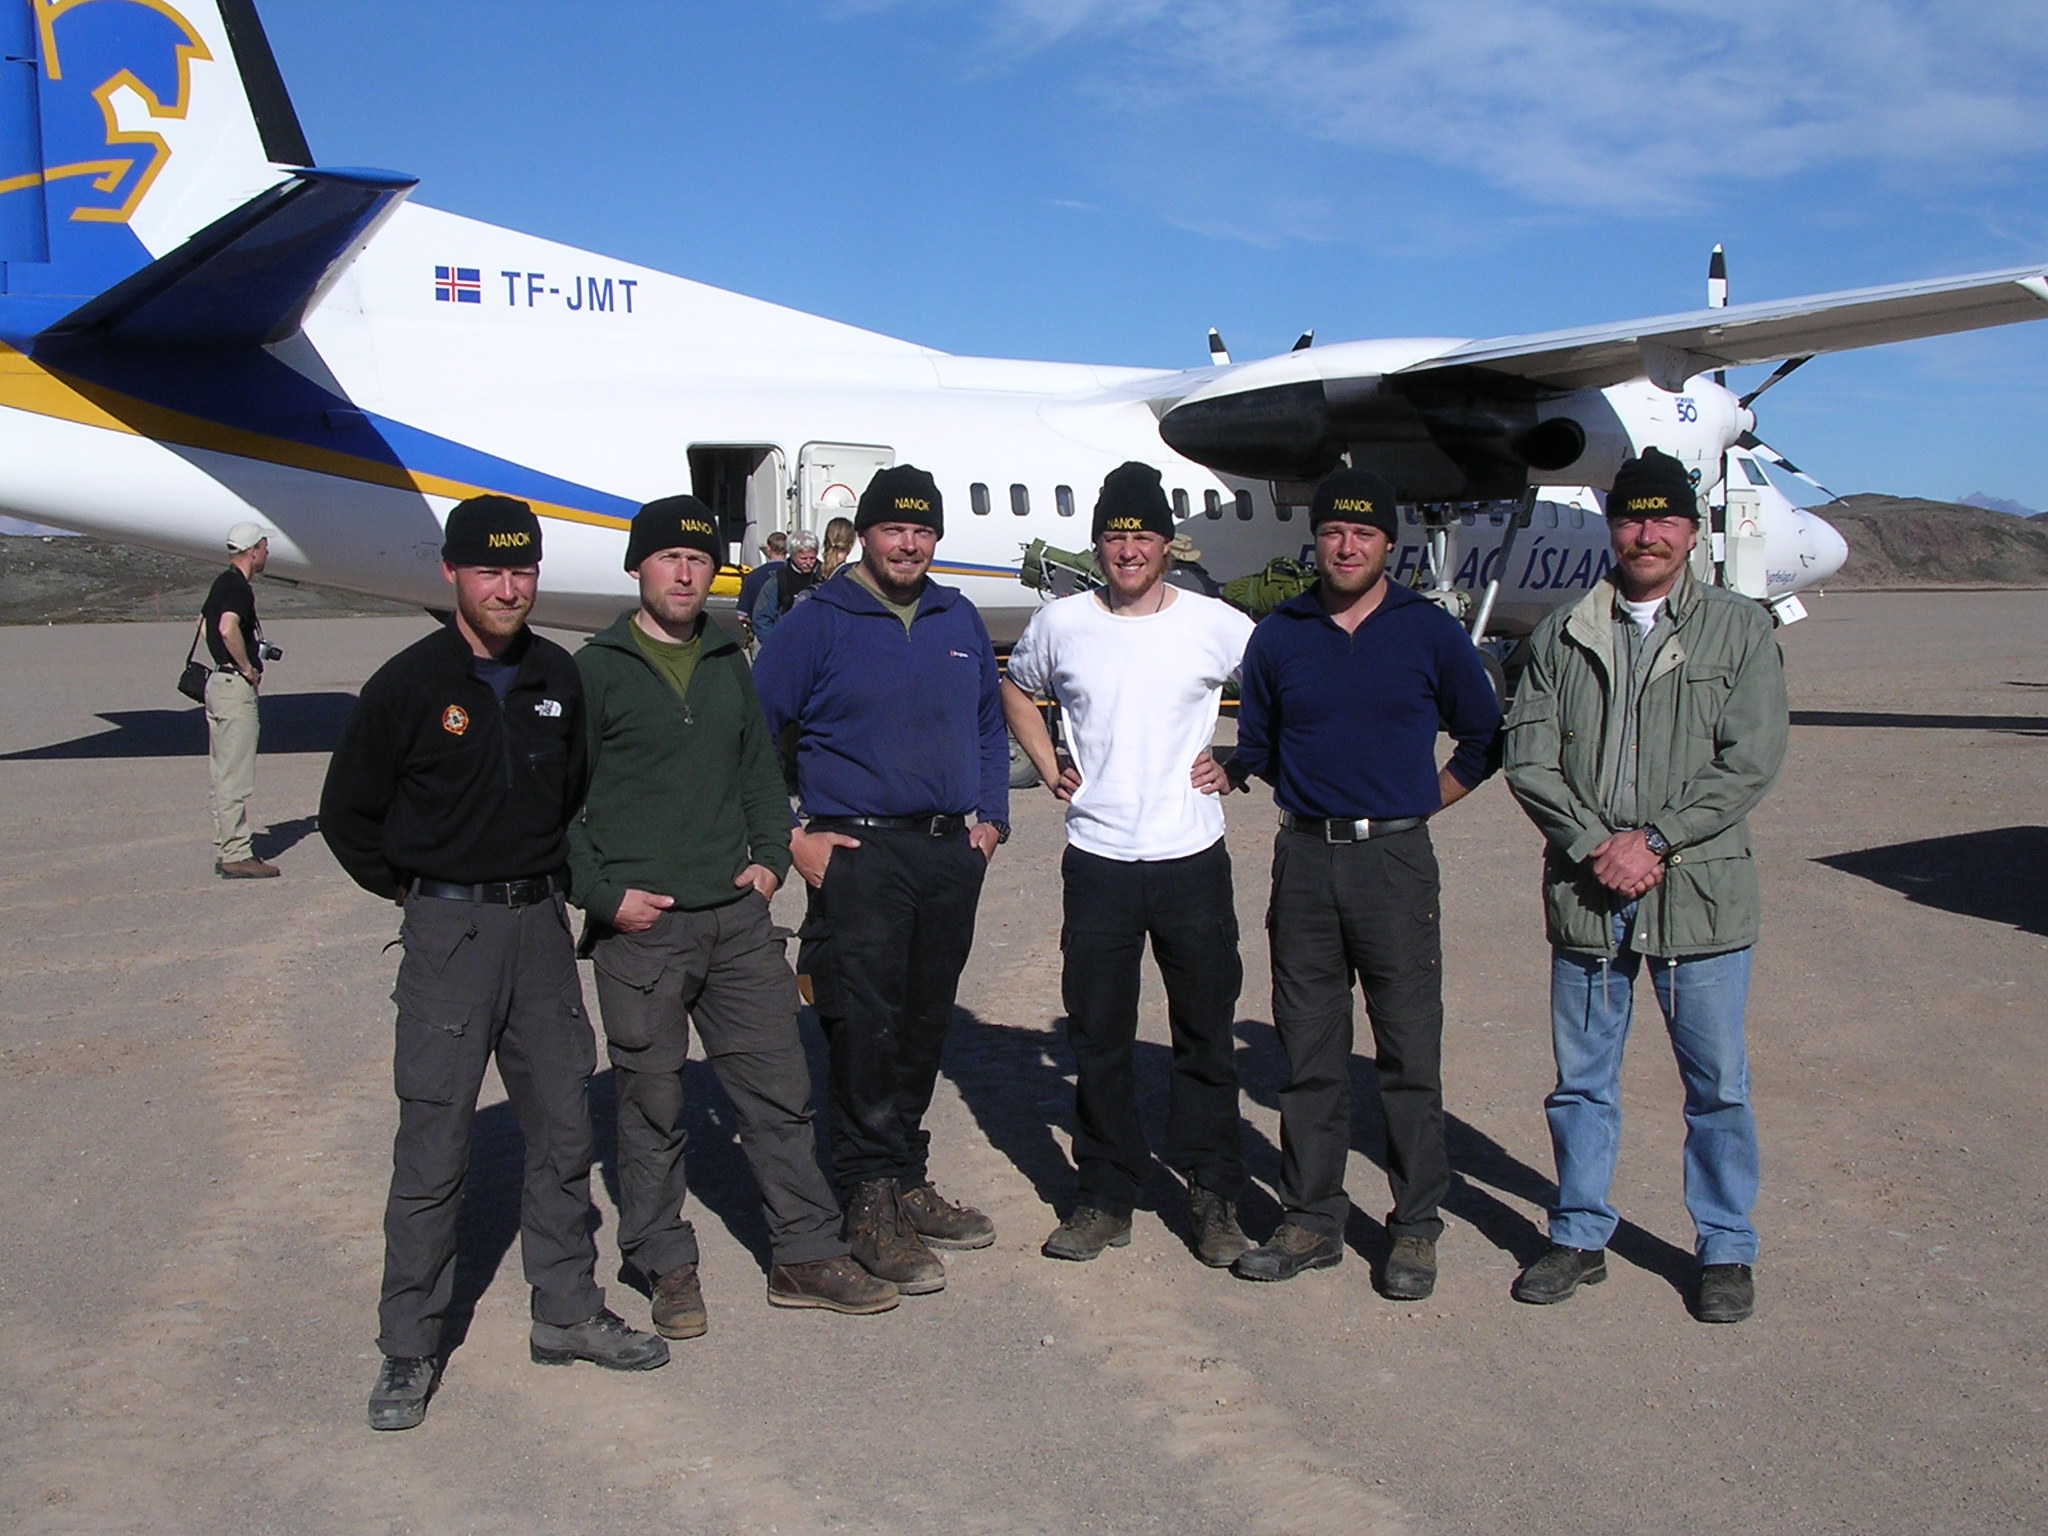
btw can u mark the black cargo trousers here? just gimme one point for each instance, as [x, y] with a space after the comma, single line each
[885, 939]
[1367, 910]
[1184, 906]
[724, 968]
[480, 980]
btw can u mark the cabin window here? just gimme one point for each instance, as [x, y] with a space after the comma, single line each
[1244, 506]
[1212, 504]
[1063, 499]
[1549, 511]
[1576, 515]
[977, 497]
[1468, 518]
[1180, 506]
[1412, 515]
[1283, 511]
[1020, 500]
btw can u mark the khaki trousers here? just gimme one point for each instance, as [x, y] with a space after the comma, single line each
[231, 737]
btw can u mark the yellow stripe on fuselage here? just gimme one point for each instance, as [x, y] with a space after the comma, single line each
[25, 385]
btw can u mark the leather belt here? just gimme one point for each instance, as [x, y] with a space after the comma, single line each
[496, 893]
[1335, 831]
[930, 826]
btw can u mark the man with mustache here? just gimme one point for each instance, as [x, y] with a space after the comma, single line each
[451, 792]
[1651, 721]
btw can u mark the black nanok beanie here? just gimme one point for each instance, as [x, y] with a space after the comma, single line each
[1355, 496]
[1656, 485]
[491, 530]
[1132, 501]
[674, 522]
[903, 494]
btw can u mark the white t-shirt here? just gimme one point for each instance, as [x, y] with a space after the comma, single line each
[1645, 614]
[1141, 697]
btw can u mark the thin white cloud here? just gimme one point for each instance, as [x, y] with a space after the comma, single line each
[1606, 105]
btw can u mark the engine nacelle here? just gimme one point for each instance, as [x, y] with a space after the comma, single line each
[1697, 425]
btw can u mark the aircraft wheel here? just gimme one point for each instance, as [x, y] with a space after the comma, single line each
[1022, 774]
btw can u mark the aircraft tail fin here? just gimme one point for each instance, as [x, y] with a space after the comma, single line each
[248, 278]
[127, 127]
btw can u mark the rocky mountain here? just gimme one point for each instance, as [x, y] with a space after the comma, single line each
[1995, 504]
[1899, 542]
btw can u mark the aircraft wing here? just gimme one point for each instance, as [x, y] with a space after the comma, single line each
[1669, 349]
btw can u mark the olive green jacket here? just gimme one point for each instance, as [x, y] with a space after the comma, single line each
[1710, 741]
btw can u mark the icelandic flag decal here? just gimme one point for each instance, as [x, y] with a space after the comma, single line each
[458, 285]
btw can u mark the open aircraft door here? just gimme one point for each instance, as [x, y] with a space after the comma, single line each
[830, 478]
[742, 484]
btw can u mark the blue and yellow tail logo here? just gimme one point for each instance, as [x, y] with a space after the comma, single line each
[70, 72]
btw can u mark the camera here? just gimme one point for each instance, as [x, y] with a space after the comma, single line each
[268, 652]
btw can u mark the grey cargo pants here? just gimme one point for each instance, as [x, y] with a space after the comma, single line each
[726, 969]
[480, 980]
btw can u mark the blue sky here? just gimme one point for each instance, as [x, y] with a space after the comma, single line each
[1102, 180]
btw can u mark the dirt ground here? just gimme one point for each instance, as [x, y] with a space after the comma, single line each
[195, 1115]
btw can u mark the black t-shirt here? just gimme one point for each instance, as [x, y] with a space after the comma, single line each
[231, 594]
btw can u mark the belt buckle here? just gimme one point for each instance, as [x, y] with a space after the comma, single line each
[1350, 831]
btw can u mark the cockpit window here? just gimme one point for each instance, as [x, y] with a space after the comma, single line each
[1753, 472]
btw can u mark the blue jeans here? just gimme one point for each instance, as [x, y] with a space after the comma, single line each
[1702, 1000]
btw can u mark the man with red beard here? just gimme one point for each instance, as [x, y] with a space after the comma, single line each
[451, 793]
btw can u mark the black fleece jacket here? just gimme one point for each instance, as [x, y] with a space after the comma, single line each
[434, 779]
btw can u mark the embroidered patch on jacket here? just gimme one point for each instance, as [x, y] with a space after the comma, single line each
[550, 709]
[454, 719]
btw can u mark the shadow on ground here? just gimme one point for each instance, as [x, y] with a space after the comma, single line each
[1018, 1084]
[292, 722]
[2000, 875]
[2020, 725]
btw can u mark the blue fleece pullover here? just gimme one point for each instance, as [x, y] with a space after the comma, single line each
[1345, 726]
[890, 722]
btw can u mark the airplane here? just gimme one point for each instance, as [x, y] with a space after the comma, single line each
[198, 326]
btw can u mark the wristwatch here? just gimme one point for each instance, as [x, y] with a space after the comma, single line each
[1656, 842]
[1002, 831]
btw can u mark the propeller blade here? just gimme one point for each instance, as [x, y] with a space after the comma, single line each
[1218, 353]
[1717, 296]
[1307, 340]
[1785, 369]
[1765, 451]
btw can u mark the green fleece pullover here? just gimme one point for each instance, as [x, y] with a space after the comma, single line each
[684, 792]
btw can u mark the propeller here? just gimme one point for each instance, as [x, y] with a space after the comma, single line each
[1749, 442]
[1306, 340]
[1219, 354]
[1786, 369]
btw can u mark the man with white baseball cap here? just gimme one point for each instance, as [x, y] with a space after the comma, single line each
[234, 641]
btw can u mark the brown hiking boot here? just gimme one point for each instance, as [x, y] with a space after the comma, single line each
[941, 1223]
[251, 868]
[884, 1244]
[837, 1285]
[679, 1304]
[1291, 1249]
[1219, 1241]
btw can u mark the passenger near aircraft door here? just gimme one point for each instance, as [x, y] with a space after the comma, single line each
[830, 478]
[743, 485]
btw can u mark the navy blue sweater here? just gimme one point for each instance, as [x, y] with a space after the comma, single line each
[1345, 726]
[890, 722]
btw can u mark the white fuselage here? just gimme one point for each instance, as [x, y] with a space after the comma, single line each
[605, 377]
